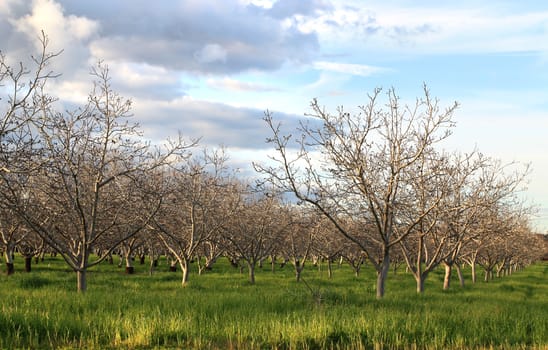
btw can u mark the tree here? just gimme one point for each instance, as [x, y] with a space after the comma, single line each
[353, 256]
[253, 232]
[91, 166]
[438, 236]
[209, 251]
[31, 246]
[11, 233]
[22, 97]
[354, 167]
[298, 240]
[328, 244]
[23, 100]
[199, 199]
[498, 210]
[129, 247]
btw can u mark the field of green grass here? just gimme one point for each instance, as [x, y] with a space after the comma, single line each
[221, 310]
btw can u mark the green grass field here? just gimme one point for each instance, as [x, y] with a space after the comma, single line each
[221, 310]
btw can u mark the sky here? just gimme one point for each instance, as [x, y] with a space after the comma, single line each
[210, 68]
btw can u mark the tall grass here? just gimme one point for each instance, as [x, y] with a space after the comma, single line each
[222, 310]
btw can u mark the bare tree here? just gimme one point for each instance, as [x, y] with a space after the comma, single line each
[355, 167]
[437, 238]
[297, 241]
[254, 231]
[502, 229]
[31, 246]
[354, 256]
[92, 165]
[498, 210]
[199, 198]
[129, 248]
[22, 97]
[11, 234]
[209, 251]
[328, 245]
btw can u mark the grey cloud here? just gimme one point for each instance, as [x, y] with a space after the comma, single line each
[204, 37]
[156, 91]
[216, 123]
[289, 8]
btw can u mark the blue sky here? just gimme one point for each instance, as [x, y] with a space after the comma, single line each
[210, 68]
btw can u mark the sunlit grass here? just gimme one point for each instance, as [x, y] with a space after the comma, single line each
[222, 310]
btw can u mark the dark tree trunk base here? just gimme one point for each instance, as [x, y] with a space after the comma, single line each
[130, 270]
[173, 269]
[28, 263]
[10, 269]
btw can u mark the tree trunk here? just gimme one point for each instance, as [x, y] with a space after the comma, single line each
[329, 269]
[447, 278]
[28, 263]
[488, 274]
[153, 265]
[420, 278]
[251, 268]
[273, 263]
[473, 267]
[185, 269]
[500, 270]
[459, 273]
[420, 283]
[173, 266]
[81, 281]
[298, 271]
[381, 275]
[129, 265]
[10, 268]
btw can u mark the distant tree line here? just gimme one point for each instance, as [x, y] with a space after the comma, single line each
[367, 188]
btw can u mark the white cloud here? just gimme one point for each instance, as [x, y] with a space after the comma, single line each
[48, 16]
[237, 85]
[260, 3]
[414, 28]
[348, 68]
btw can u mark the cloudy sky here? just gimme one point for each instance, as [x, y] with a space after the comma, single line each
[210, 68]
